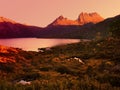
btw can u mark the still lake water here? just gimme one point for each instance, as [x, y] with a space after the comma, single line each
[32, 44]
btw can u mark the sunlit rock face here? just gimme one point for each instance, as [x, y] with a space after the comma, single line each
[85, 18]
[82, 19]
[64, 21]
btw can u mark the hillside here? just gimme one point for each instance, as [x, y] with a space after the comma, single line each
[88, 31]
[12, 29]
[87, 26]
[86, 65]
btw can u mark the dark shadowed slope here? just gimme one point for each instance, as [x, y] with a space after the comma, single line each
[12, 29]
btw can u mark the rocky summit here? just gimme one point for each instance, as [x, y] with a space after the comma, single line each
[82, 19]
[85, 18]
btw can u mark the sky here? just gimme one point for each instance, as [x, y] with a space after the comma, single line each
[43, 12]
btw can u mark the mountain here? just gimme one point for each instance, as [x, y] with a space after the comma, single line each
[63, 21]
[12, 29]
[86, 31]
[86, 26]
[82, 19]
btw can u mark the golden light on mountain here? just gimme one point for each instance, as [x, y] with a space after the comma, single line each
[82, 19]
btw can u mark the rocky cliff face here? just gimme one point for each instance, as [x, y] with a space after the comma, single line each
[83, 18]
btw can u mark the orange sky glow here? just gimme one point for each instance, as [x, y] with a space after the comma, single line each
[43, 12]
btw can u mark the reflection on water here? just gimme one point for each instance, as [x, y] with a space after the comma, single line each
[34, 43]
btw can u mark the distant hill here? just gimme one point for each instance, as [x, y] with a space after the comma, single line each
[12, 29]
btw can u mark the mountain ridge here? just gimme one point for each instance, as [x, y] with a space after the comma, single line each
[88, 30]
[82, 19]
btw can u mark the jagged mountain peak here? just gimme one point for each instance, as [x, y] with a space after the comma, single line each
[61, 17]
[61, 20]
[92, 13]
[82, 19]
[85, 18]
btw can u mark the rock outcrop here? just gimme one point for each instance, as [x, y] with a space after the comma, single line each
[85, 18]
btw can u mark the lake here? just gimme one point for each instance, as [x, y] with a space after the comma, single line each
[32, 44]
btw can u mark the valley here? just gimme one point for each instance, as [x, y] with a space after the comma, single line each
[85, 65]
